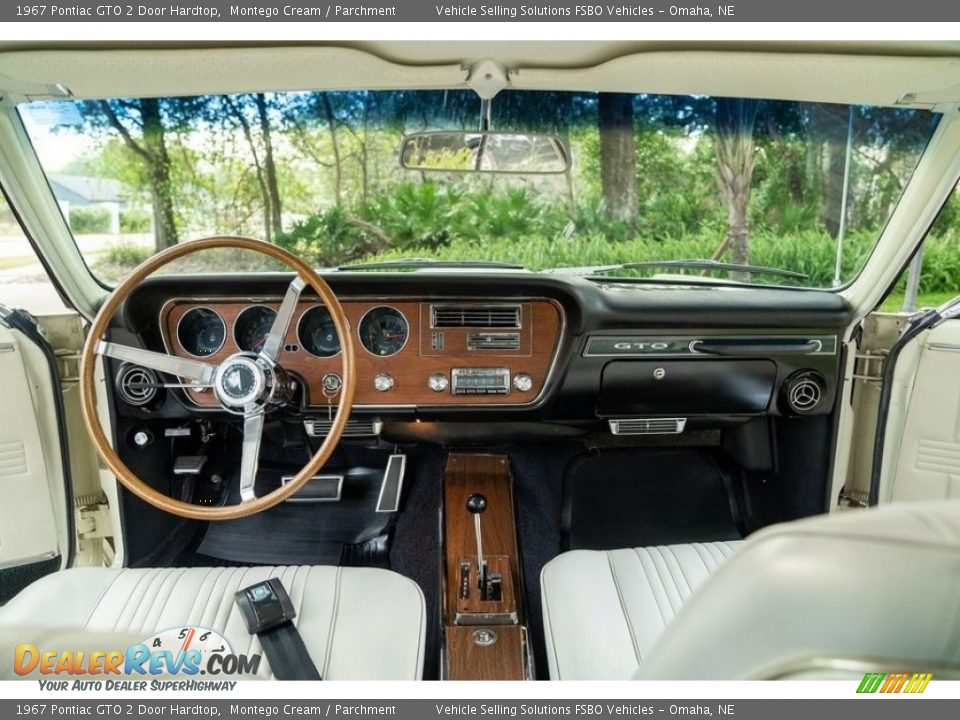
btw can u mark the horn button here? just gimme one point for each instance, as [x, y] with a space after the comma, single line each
[246, 379]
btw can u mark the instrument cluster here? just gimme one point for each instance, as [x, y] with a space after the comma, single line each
[383, 330]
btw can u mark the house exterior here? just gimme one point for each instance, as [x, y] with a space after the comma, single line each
[89, 192]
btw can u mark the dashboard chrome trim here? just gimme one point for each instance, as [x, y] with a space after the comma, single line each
[630, 345]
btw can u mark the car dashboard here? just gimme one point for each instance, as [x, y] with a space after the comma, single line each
[497, 345]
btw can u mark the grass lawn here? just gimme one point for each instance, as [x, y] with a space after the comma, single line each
[16, 261]
[894, 302]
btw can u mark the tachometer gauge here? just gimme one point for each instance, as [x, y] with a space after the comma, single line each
[317, 333]
[383, 331]
[252, 327]
[201, 331]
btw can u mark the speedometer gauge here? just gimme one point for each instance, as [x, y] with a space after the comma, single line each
[252, 327]
[383, 331]
[201, 331]
[317, 333]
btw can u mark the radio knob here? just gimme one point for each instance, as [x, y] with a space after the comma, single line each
[438, 382]
[523, 382]
[383, 382]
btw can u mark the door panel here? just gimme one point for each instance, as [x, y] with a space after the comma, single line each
[922, 437]
[35, 531]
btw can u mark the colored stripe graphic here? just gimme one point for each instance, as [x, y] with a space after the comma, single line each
[894, 683]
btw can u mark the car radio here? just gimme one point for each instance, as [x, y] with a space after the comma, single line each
[480, 381]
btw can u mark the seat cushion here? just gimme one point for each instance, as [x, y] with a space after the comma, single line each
[357, 623]
[603, 610]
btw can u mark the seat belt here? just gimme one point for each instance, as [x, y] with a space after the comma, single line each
[268, 614]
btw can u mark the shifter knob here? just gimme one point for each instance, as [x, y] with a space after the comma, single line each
[476, 503]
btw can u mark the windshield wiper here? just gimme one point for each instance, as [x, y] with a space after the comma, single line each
[419, 263]
[708, 265]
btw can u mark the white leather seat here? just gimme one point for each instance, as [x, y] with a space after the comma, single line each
[874, 589]
[357, 623]
[604, 610]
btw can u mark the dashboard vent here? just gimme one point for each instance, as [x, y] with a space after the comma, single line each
[648, 426]
[137, 385]
[356, 427]
[479, 316]
[803, 392]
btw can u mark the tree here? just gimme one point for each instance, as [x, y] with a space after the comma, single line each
[143, 126]
[248, 110]
[618, 162]
[736, 153]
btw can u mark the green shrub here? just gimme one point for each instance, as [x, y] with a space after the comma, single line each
[135, 221]
[516, 225]
[89, 220]
[124, 255]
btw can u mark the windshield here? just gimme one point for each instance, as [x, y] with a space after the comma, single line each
[801, 187]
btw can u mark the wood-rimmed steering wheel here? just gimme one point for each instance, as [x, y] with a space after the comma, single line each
[248, 384]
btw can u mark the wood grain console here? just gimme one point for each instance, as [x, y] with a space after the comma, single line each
[468, 657]
[427, 350]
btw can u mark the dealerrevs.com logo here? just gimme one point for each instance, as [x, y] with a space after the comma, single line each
[185, 652]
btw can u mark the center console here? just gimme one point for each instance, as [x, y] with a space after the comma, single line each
[484, 631]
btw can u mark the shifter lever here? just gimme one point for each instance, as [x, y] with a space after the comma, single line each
[476, 504]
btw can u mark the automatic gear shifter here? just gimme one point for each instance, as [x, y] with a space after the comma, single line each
[476, 504]
[490, 584]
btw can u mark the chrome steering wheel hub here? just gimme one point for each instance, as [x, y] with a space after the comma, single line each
[245, 379]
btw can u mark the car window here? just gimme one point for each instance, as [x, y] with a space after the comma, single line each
[24, 282]
[796, 186]
[933, 277]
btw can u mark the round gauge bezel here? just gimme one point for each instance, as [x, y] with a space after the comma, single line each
[363, 317]
[303, 345]
[184, 317]
[236, 322]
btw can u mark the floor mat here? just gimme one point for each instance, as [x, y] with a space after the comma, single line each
[295, 533]
[631, 498]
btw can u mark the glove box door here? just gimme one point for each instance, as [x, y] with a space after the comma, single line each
[686, 387]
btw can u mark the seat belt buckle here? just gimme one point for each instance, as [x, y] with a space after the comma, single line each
[264, 605]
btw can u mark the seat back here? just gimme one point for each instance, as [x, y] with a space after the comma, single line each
[867, 590]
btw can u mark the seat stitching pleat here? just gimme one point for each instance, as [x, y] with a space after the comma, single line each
[713, 550]
[333, 624]
[709, 562]
[103, 594]
[727, 549]
[121, 624]
[153, 591]
[152, 618]
[296, 571]
[670, 554]
[421, 636]
[664, 574]
[623, 607]
[650, 572]
[201, 597]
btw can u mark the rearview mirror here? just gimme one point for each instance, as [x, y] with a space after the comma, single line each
[492, 152]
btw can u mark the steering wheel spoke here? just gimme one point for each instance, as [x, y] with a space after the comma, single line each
[200, 373]
[253, 418]
[273, 343]
[241, 383]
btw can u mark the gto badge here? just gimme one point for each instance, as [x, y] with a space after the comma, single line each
[642, 346]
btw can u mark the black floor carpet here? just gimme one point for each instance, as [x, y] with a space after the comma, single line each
[294, 533]
[631, 498]
[415, 550]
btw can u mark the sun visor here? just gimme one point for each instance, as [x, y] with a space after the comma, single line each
[192, 71]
